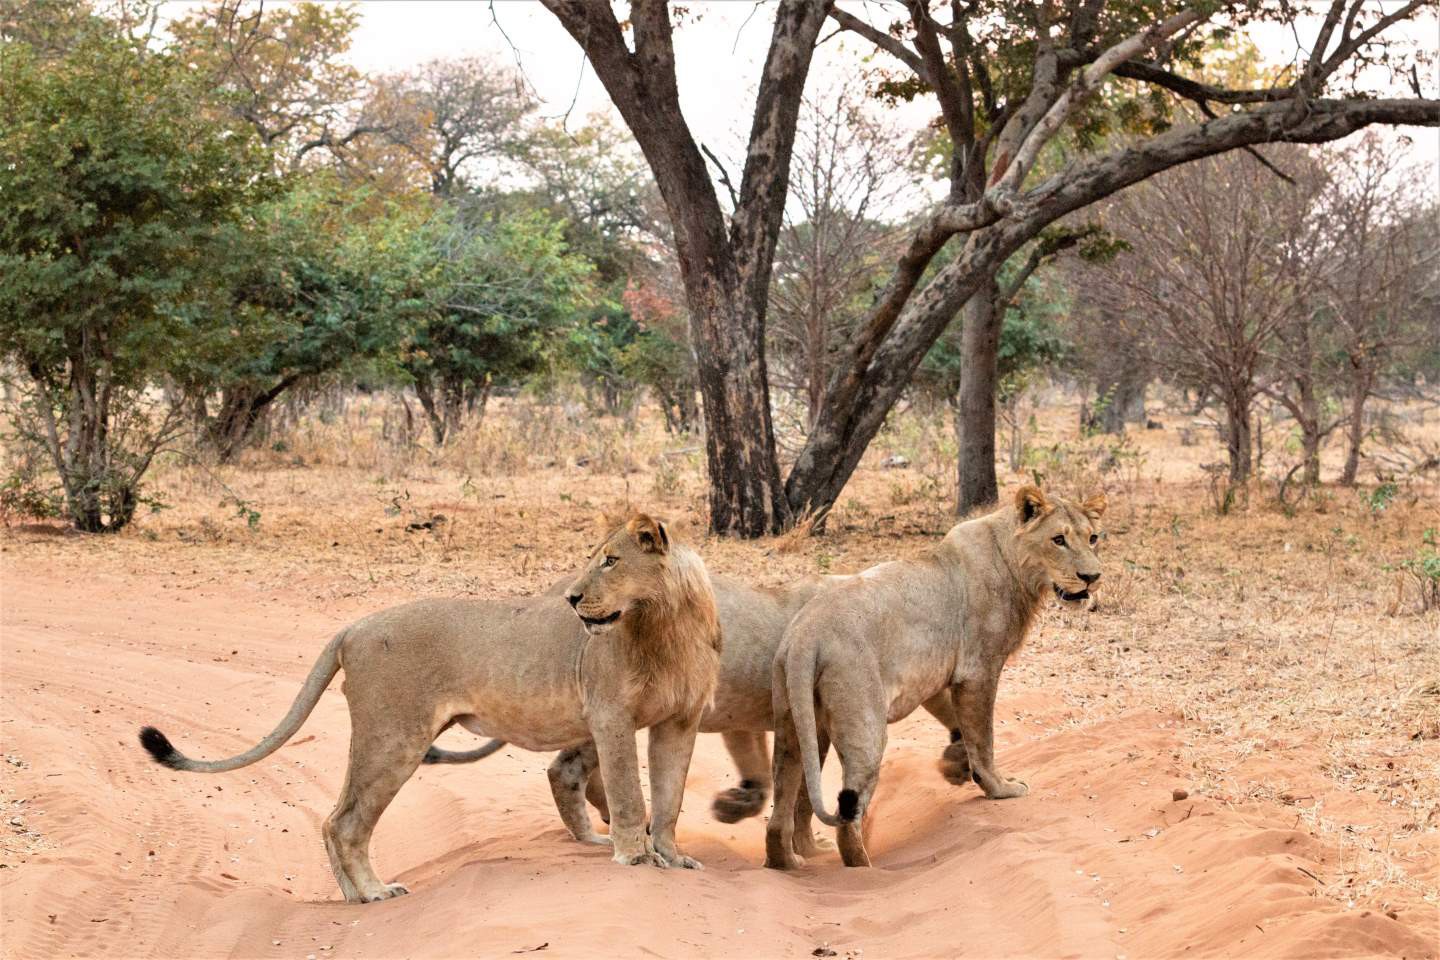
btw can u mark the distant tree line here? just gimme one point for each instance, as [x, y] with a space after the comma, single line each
[205, 216]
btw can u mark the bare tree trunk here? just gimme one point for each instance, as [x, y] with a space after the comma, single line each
[980, 343]
[1014, 406]
[1359, 393]
[1309, 422]
[241, 409]
[425, 391]
[815, 364]
[1238, 445]
[452, 394]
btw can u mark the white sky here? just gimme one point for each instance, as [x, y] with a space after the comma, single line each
[718, 59]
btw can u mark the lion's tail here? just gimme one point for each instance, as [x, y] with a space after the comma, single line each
[800, 686]
[437, 755]
[321, 674]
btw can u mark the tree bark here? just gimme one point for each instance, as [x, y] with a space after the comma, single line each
[1355, 430]
[726, 273]
[240, 410]
[425, 392]
[1122, 397]
[980, 344]
[1309, 422]
[1238, 445]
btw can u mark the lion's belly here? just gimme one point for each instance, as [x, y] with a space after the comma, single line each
[910, 682]
[742, 702]
[540, 723]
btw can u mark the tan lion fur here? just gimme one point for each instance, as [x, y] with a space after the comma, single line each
[526, 671]
[753, 620]
[871, 650]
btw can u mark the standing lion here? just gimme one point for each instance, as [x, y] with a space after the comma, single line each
[883, 643]
[644, 652]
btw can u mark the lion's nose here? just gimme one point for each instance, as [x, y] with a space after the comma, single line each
[1089, 578]
[574, 598]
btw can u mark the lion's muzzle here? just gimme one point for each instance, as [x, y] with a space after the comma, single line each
[598, 625]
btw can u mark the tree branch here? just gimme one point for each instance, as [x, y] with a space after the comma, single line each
[883, 40]
[1007, 181]
[724, 177]
[1147, 72]
[764, 181]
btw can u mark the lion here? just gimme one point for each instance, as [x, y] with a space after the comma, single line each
[904, 632]
[633, 643]
[753, 620]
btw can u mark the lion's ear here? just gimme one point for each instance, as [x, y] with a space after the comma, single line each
[1094, 505]
[649, 533]
[1030, 502]
[608, 521]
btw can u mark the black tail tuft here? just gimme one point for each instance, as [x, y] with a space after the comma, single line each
[433, 755]
[158, 746]
[849, 803]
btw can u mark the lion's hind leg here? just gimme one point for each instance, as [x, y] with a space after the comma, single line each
[859, 733]
[805, 842]
[570, 775]
[382, 758]
[789, 775]
[752, 759]
[954, 762]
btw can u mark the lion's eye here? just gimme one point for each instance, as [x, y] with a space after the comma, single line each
[1058, 541]
[1094, 539]
[609, 562]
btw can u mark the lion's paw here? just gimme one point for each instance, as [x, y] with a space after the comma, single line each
[790, 861]
[388, 892]
[599, 839]
[1009, 789]
[645, 858]
[678, 859]
[955, 765]
[808, 844]
[738, 803]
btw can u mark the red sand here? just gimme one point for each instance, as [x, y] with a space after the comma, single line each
[124, 858]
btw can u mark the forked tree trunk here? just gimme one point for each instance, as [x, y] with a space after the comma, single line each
[726, 267]
[980, 346]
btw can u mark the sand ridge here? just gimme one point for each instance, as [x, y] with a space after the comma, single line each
[1099, 860]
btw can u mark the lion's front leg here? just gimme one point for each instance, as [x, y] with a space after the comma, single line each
[615, 743]
[975, 712]
[671, 744]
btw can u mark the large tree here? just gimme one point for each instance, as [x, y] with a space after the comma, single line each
[726, 267]
[1008, 79]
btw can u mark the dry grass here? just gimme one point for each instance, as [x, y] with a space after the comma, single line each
[1276, 634]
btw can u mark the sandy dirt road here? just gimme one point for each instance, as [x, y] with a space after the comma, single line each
[110, 855]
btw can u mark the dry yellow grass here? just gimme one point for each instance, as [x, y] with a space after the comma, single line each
[1303, 668]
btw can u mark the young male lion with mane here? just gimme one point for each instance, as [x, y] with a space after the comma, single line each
[633, 643]
[865, 653]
